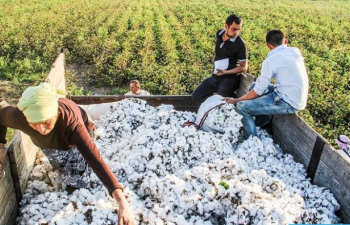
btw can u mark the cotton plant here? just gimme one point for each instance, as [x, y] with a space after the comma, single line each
[179, 175]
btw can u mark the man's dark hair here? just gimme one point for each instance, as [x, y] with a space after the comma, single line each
[274, 37]
[233, 18]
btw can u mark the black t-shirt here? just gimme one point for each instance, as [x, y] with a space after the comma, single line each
[234, 49]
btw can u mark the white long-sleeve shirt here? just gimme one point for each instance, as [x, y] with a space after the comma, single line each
[286, 66]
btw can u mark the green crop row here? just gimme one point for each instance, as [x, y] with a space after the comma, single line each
[169, 45]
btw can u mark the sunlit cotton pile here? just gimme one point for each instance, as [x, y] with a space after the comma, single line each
[178, 175]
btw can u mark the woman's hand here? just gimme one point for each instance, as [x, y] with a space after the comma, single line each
[125, 216]
[2, 158]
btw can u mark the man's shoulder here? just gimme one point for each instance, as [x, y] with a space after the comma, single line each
[286, 52]
[294, 49]
[240, 40]
[220, 32]
[144, 92]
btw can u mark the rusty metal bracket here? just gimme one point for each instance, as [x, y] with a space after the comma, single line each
[315, 158]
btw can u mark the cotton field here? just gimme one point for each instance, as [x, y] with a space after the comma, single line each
[178, 175]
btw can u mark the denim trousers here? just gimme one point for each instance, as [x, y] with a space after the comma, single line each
[270, 103]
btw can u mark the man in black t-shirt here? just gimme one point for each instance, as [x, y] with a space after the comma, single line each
[231, 60]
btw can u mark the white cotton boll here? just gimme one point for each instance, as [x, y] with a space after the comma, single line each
[91, 198]
[70, 219]
[152, 216]
[113, 217]
[211, 192]
[62, 222]
[52, 197]
[37, 175]
[98, 222]
[83, 193]
[57, 181]
[43, 221]
[157, 221]
[99, 133]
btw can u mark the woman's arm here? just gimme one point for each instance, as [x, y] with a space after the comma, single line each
[10, 116]
[125, 215]
[93, 157]
[75, 133]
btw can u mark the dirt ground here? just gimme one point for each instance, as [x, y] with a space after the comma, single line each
[78, 75]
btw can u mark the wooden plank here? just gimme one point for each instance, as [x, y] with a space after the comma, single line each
[26, 165]
[344, 216]
[14, 173]
[335, 167]
[288, 132]
[246, 80]
[25, 155]
[338, 163]
[326, 178]
[56, 75]
[298, 156]
[10, 207]
[8, 203]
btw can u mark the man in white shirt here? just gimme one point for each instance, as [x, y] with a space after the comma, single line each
[289, 93]
[135, 89]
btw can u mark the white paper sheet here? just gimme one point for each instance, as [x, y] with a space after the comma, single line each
[220, 64]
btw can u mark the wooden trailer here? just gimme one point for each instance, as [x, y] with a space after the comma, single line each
[325, 166]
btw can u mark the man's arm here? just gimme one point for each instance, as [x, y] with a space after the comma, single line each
[250, 95]
[243, 66]
[261, 85]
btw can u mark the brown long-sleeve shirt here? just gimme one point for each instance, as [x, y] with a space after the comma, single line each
[70, 130]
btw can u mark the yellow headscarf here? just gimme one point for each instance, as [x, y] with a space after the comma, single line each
[40, 103]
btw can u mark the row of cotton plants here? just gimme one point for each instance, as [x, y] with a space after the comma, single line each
[178, 175]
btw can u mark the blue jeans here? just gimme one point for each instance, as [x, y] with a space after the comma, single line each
[270, 103]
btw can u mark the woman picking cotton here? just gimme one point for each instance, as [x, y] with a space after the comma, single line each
[61, 129]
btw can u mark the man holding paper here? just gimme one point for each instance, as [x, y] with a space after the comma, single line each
[230, 60]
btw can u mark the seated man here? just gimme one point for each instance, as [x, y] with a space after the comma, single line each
[230, 61]
[289, 93]
[135, 89]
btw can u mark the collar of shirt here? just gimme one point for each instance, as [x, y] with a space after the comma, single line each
[278, 48]
[231, 39]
